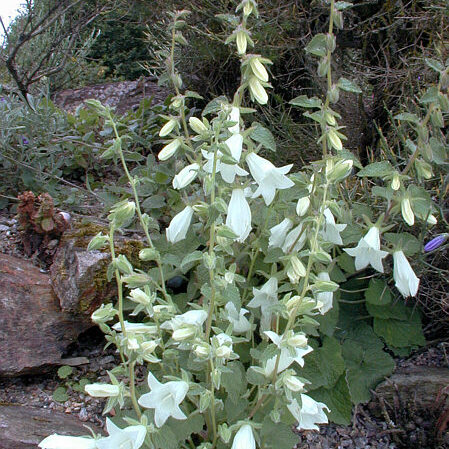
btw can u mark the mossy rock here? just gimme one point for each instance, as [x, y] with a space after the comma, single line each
[78, 276]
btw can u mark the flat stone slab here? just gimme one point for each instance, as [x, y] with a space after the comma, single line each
[23, 427]
[34, 331]
[418, 386]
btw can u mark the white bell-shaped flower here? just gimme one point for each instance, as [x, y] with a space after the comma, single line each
[56, 441]
[191, 318]
[164, 399]
[295, 240]
[405, 278]
[131, 437]
[331, 230]
[368, 251]
[228, 171]
[179, 225]
[239, 215]
[285, 360]
[309, 414]
[244, 438]
[240, 323]
[265, 298]
[268, 177]
[279, 232]
[324, 299]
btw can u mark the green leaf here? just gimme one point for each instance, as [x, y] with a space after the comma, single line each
[340, 6]
[255, 378]
[420, 201]
[214, 105]
[383, 192]
[324, 365]
[154, 202]
[407, 117]
[60, 394]
[348, 86]
[434, 64]
[234, 381]
[263, 136]
[377, 169]
[401, 334]
[273, 255]
[65, 371]
[236, 410]
[366, 362]
[338, 399]
[165, 438]
[304, 101]
[277, 435]
[408, 242]
[378, 293]
[430, 96]
[329, 320]
[397, 310]
[190, 258]
[232, 294]
[346, 263]
[317, 46]
[81, 384]
[182, 429]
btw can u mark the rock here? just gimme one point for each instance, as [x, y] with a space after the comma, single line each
[79, 276]
[415, 386]
[122, 95]
[23, 427]
[34, 332]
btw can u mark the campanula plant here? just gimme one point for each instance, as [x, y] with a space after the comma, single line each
[237, 358]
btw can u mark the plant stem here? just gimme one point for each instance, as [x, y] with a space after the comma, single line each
[139, 214]
[132, 389]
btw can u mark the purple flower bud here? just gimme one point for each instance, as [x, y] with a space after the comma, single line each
[435, 243]
[25, 141]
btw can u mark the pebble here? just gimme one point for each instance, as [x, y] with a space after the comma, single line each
[83, 416]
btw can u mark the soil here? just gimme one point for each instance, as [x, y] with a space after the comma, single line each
[373, 426]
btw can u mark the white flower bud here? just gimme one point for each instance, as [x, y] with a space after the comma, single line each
[258, 69]
[407, 212]
[202, 351]
[334, 140]
[102, 390]
[169, 150]
[396, 182]
[297, 340]
[296, 270]
[303, 206]
[223, 352]
[197, 125]
[139, 296]
[293, 383]
[168, 127]
[241, 41]
[186, 176]
[184, 333]
[257, 90]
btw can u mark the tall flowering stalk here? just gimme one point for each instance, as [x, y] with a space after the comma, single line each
[258, 245]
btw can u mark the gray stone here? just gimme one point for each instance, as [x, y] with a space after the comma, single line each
[34, 331]
[418, 387]
[23, 427]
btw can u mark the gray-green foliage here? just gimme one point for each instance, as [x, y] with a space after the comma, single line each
[288, 296]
